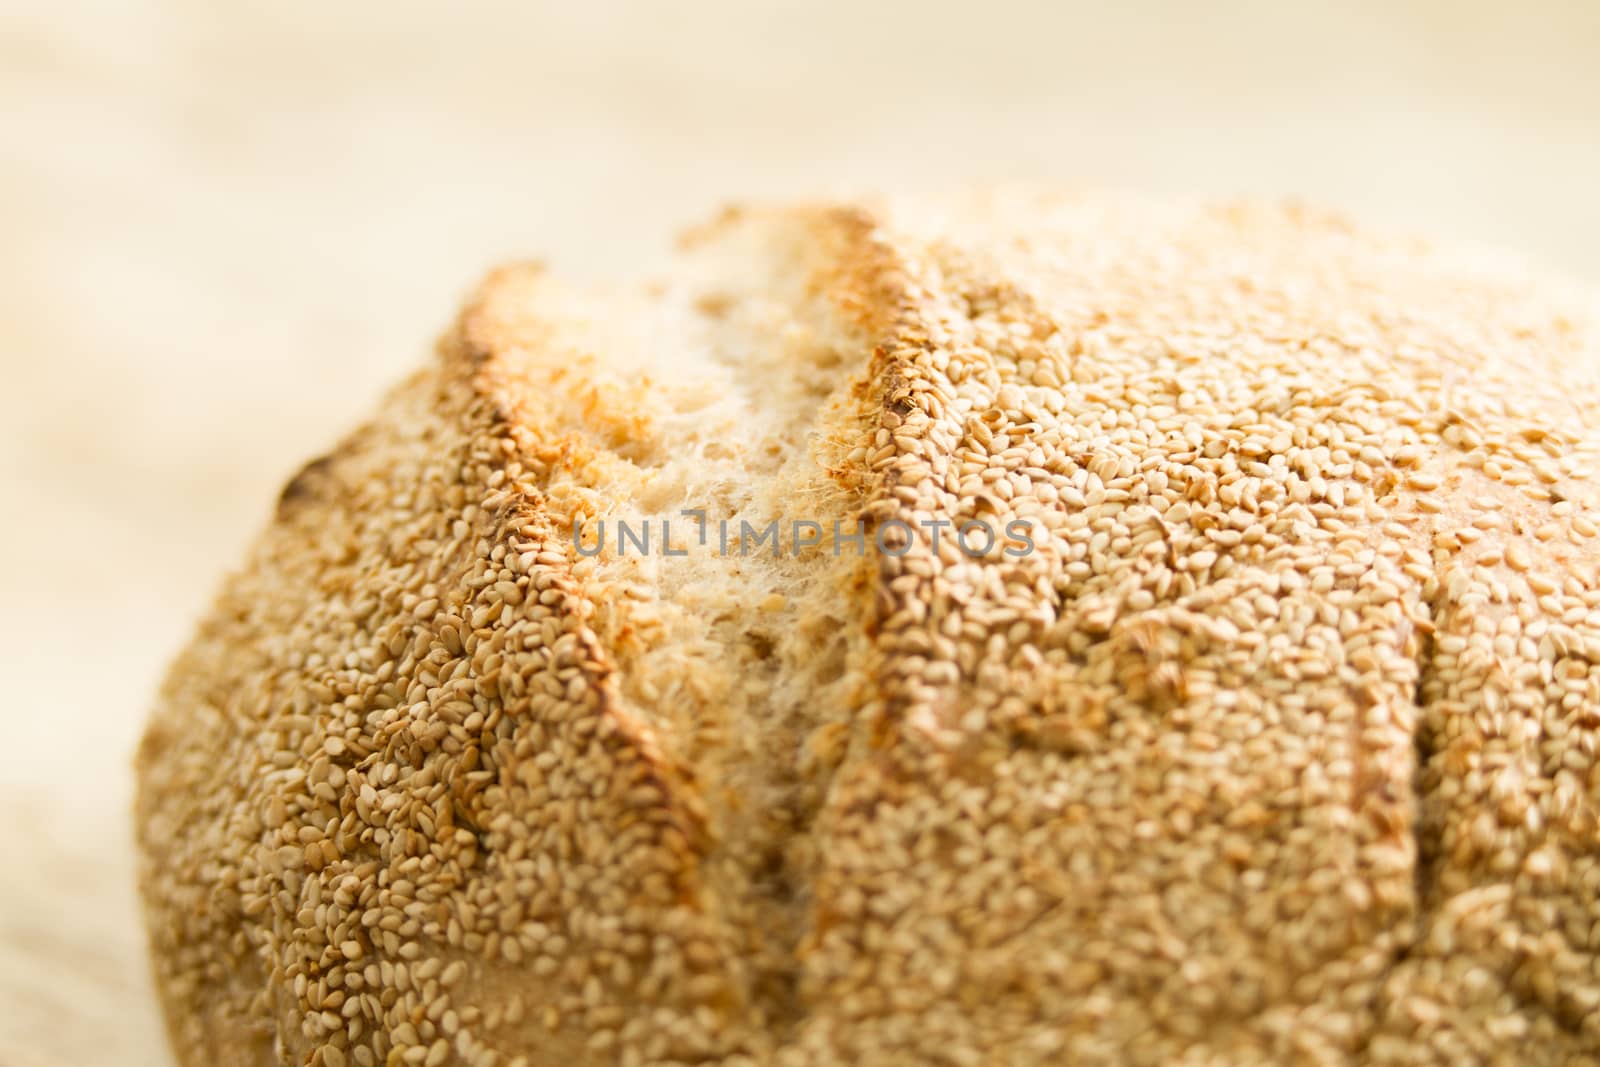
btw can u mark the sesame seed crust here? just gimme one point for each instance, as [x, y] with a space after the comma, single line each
[1278, 747]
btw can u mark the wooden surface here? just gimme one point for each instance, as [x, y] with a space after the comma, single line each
[225, 226]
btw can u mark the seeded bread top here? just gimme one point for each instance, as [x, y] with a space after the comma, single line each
[1271, 738]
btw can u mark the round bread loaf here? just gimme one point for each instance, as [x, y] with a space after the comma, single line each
[1177, 644]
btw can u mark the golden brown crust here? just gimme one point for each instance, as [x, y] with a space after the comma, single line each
[1279, 746]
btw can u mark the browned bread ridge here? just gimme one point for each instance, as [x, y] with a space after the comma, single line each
[1279, 746]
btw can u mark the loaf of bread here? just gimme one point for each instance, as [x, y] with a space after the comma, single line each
[1014, 629]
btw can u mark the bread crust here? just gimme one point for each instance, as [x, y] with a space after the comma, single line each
[1278, 747]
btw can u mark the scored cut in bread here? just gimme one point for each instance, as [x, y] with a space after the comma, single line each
[1263, 732]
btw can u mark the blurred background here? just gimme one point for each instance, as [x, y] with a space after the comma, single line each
[224, 227]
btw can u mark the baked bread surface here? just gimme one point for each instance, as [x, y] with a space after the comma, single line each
[1279, 746]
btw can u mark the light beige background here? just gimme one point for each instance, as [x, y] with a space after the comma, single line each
[224, 226]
